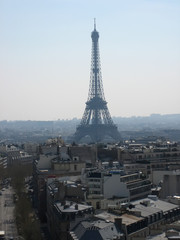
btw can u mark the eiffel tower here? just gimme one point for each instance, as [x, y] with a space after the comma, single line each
[96, 121]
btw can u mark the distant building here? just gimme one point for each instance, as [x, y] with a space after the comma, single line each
[85, 154]
[157, 176]
[171, 184]
[31, 148]
[153, 151]
[15, 155]
[152, 159]
[113, 185]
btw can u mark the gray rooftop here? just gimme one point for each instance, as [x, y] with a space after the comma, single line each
[126, 218]
[71, 207]
[152, 206]
[88, 230]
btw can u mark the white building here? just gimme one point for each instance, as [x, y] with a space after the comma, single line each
[112, 185]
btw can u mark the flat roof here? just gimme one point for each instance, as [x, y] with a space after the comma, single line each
[71, 207]
[126, 218]
[155, 204]
[129, 219]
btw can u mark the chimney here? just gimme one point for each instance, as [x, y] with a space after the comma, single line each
[118, 222]
[76, 207]
[58, 150]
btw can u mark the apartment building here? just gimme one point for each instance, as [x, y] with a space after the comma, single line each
[113, 185]
[15, 155]
[64, 207]
[142, 218]
[158, 151]
[50, 165]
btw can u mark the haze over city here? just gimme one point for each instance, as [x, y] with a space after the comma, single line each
[46, 55]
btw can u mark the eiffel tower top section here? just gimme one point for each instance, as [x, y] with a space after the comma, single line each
[95, 86]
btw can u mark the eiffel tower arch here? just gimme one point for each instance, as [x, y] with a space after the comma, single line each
[96, 121]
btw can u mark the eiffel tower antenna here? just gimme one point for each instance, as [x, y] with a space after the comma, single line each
[96, 121]
[94, 24]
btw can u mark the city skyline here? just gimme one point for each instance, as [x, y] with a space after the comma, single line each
[46, 55]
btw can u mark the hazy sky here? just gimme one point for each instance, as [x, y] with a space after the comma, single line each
[45, 56]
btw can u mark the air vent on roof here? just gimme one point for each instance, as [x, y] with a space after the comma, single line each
[153, 197]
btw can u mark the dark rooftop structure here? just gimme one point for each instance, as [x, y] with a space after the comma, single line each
[88, 230]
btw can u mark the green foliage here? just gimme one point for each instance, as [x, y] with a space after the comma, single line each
[27, 224]
[3, 173]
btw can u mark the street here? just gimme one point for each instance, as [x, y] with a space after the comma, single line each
[7, 219]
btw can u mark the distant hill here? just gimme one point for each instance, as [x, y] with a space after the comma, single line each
[154, 121]
[167, 126]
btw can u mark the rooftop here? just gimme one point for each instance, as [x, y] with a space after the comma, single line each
[126, 218]
[154, 205]
[88, 230]
[72, 207]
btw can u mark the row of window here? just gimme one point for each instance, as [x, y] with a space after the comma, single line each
[94, 186]
[94, 180]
